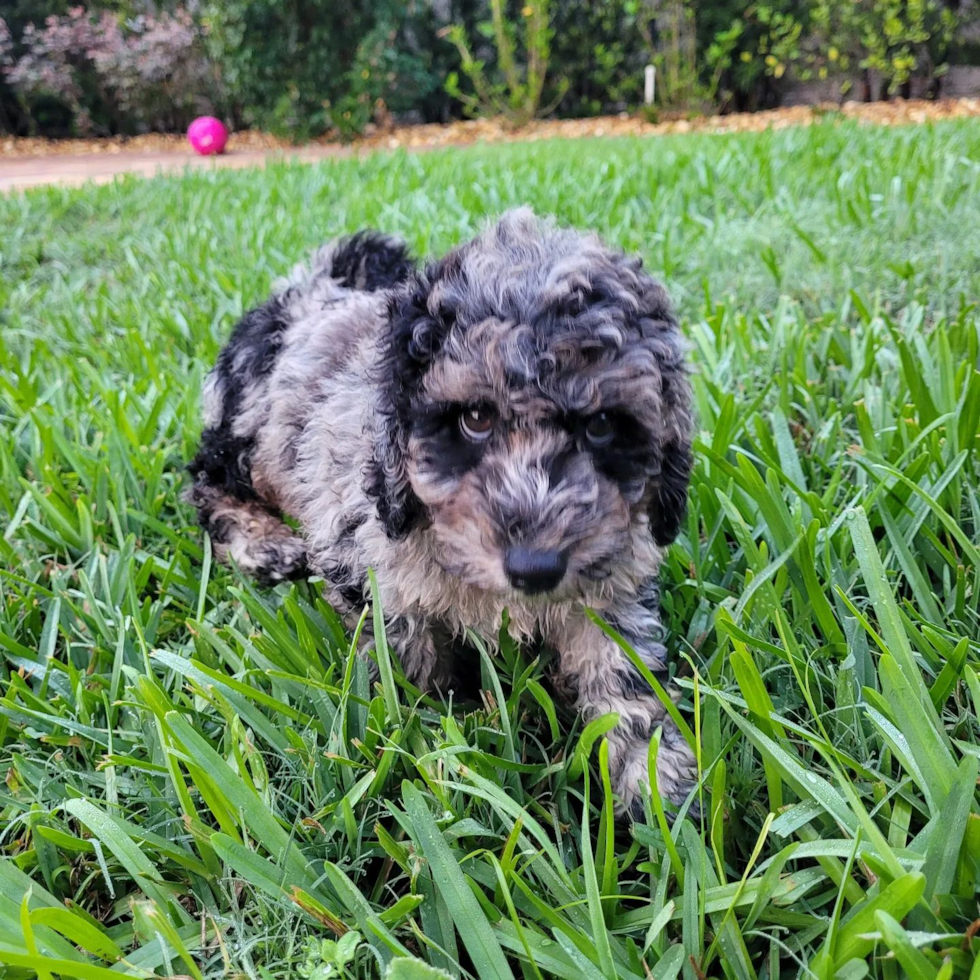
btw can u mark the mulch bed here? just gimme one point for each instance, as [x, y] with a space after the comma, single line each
[892, 113]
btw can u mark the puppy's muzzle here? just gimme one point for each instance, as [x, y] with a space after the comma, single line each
[535, 571]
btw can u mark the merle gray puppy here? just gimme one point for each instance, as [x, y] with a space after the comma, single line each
[509, 428]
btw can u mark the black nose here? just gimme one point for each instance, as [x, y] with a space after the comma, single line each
[534, 571]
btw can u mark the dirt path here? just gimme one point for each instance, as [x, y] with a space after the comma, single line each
[17, 173]
[31, 162]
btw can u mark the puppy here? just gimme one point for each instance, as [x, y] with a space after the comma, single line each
[508, 429]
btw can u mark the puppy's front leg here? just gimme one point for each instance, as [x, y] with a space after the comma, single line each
[603, 679]
[413, 641]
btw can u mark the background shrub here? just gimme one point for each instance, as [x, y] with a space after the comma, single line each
[16, 15]
[600, 51]
[60, 61]
[894, 38]
[305, 66]
[110, 74]
[158, 73]
[758, 41]
[515, 89]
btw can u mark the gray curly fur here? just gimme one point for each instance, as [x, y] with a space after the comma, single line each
[338, 403]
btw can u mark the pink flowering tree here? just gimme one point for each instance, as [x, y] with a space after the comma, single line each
[150, 72]
[159, 73]
[59, 62]
[6, 45]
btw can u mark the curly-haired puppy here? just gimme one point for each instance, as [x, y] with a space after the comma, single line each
[509, 428]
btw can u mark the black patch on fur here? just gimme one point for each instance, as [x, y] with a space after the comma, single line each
[224, 459]
[558, 467]
[254, 347]
[414, 337]
[641, 726]
[668, 496]
[633, 684]
[352, 522]
[218, 528]
[631, 457]
[273, 570]
[371, 261]
[458, 668]
[648, 594]
[351, 586]
[445, 449]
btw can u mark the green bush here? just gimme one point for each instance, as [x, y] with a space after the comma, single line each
[515, 89]
[600, 52]
[762, 41]
[895, 38]
[307, 66]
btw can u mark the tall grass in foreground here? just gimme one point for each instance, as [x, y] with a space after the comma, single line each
[200, 778]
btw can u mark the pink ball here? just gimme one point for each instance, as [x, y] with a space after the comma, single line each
[207, 135]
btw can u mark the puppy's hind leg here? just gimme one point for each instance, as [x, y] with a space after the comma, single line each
[243, 526]
[243, 531]
[243, 521]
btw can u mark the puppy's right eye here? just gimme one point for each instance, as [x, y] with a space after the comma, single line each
[600, 430]
[476, 423]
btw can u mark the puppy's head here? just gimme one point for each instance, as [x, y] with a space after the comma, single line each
[535, 410]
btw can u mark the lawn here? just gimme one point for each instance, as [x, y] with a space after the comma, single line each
[201, 779]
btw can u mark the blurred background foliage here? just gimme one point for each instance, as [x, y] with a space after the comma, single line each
[304, 68]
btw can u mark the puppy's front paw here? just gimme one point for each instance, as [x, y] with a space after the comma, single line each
[677, 770]
[677, 774]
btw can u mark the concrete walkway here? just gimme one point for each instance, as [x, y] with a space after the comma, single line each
[17, 173]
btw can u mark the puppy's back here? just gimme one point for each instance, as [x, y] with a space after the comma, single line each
[266, 383]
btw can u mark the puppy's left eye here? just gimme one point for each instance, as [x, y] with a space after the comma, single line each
[600, 429]
[476, 423]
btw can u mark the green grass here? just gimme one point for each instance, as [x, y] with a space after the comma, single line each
[200, 778]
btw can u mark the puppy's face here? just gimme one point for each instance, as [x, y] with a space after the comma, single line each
[529, 456]
[545, 412]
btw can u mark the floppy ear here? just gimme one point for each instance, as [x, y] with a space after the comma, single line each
[668, 492]
[658, 326]
[413, 336]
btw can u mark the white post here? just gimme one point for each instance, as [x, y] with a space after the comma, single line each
[649, 79]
